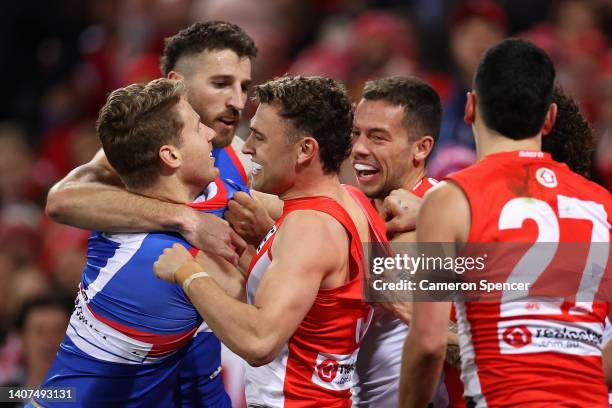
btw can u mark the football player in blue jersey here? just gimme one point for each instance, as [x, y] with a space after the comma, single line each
[214, 61]
[129, 333]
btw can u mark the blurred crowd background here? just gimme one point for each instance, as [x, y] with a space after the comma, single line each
[62, 57]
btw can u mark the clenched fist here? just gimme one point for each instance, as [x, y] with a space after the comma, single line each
[399, 210]
[248, 217]
[170, 261]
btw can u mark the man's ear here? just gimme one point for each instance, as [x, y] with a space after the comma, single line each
[421, 149]
[550, 119]
[170, 156]
[308, 148]
[176, 75]
[469, 115]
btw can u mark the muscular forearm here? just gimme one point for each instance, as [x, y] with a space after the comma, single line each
[103, 207]
[92, 196]
[420, 373]
[229, 277]
[239, 326]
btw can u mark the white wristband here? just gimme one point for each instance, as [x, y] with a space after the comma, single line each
[188, 281]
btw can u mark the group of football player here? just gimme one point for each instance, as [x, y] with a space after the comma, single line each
[203, 241]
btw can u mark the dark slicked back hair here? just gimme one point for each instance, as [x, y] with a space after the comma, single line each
[135, 123]
[206, 36]
[421, 103]
[316, 106]
[514, 85]
[571, 140]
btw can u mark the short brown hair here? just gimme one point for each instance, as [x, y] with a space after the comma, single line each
[421, 103]
[318, 106]
[210, 35]
[134, 123]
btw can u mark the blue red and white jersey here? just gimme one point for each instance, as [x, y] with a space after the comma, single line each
[229, 165]
[527, 352]
[197, 377]
[124, 316]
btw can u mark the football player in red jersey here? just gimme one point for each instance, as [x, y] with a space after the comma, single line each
[394, 130]
[514, 193]
[397, 122]
[306, 315]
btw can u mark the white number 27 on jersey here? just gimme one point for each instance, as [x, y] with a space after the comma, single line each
[537, 258]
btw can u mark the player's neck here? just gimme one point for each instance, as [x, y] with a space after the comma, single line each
[490, 142]
[327, 185]
[411, 179]
[171, 190]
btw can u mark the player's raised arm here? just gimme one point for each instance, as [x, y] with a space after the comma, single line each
[258, 331]
[92, 196]
[444, 217]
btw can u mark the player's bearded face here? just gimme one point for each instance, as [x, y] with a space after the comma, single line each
[272, 155]
[218, 87]
[382, 152]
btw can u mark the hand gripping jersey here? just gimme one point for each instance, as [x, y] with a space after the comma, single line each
[527, 353]
[194, 376]
[198, 383]
[129, 332]
[315, 368]
[380, 356]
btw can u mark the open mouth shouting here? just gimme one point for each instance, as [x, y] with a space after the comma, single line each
[365, 172]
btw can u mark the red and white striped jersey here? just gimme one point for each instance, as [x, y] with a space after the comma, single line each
[316, 366]
[380, 357]
[527, 352]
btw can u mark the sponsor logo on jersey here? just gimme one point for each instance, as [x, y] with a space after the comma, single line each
[517, 336]
[536, 336]
[335, 371]
[327, 370]
[546, 177]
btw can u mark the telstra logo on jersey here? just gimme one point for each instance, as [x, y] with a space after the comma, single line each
[327, 370]
[546, 177]
[517, 336]
[334, 371]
